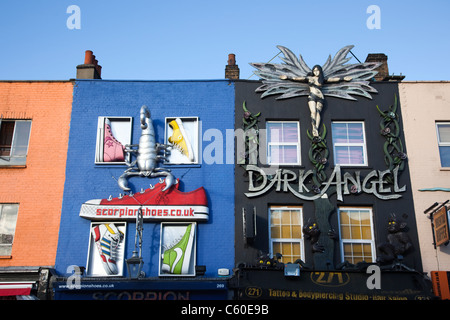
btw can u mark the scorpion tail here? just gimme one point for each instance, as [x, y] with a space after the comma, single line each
[123, 182]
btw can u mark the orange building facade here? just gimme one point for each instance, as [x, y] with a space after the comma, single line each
[34, 125]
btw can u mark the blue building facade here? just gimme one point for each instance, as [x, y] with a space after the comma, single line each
[108, 109]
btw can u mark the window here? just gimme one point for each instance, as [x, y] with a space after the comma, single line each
[286, 232]
[113, 133]
[349, 144]
[443, 134]
[8, 218]
[177, 249]
[356, 234]
[182, 134]
[283, 142]
[14, 137]
[106, 249]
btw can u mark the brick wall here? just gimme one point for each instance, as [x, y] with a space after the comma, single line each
[38, 188]
[232, 69]
[383, 70]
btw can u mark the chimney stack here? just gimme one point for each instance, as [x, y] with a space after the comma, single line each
[232, 69]
[383, 70]
[90, 69]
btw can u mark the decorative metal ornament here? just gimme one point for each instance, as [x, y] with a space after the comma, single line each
[251, 139]
[335, 78]
[318, 155]
[394, 154]
[250, 136]
[147, 155]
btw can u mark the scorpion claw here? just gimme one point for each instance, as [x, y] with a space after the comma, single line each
[169, 181]
[123, 183]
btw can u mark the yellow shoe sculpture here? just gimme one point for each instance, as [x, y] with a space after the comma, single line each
[180, 140]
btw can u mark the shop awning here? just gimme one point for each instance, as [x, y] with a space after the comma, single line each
[17, 288]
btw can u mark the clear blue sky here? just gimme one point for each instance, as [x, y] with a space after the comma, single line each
[191, 39]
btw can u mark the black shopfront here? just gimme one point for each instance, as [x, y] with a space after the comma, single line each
[332, 217]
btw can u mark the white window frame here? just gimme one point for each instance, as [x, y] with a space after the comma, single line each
[290, 240]
[94, 266]
[13, 159]
[164, 226]
[297, 144]
[3, 225]
[192, 129]
[343, 241]
[125, 137]
[348, 144]
[440, 143]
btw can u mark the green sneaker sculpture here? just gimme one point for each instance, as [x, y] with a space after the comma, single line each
[176, 260]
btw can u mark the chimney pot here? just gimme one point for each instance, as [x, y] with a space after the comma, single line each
[231, 59]
[88, 57]
[90, 69]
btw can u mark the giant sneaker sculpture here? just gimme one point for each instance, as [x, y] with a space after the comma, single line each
[158, 202]
[107, 239]
[180, 140]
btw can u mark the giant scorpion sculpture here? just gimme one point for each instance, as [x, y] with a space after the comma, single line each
[147, 155]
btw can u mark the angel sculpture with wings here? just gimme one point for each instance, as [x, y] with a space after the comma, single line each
[294, 78]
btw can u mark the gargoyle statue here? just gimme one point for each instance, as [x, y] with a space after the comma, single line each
[398, 241]
[265, 261]
[312, 232]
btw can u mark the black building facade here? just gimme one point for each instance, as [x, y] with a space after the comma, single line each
[327, 217]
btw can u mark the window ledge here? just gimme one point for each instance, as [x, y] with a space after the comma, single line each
[2, 166]
[353, 167]
[112, 164]
[444, 169]
[5, 257]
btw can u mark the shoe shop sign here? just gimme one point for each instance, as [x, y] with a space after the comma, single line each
[163, 213]
[155, 203]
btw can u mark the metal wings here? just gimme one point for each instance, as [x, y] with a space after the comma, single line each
[294, 67]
